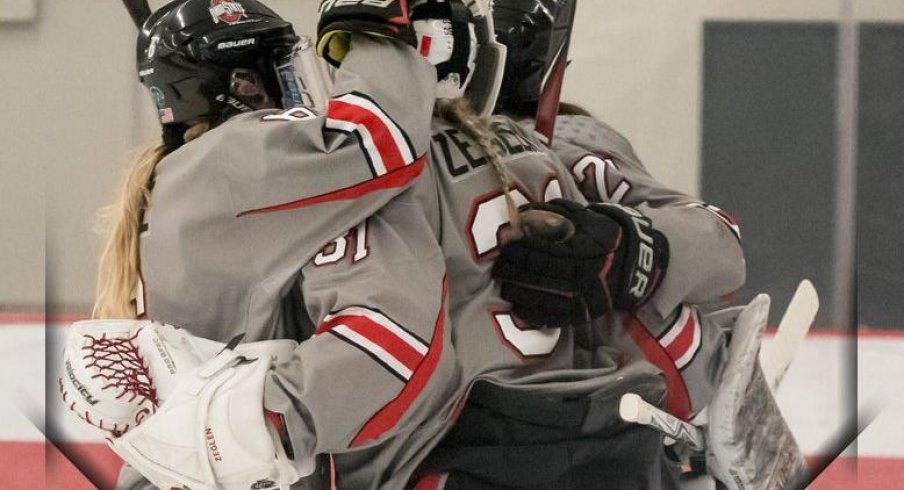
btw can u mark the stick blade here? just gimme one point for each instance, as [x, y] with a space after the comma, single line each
[776, 356]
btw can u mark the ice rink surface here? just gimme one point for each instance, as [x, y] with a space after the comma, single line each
[817, 397]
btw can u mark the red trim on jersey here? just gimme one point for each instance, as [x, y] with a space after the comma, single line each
[378, 334]
[678, 400]
[398, 178]
[402, 20]
[379, 132]
[390, 415]
[685, 339]
[428, 482]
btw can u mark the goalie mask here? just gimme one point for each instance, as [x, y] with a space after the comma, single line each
[460, 42]
[212, 59]
[537, 34]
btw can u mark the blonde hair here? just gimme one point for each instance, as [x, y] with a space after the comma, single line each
[118, 270]
[458, 111]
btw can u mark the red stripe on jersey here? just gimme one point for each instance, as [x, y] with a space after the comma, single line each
[678, 400]
[378, 334]
[382, 137]
[399, 178]
[428, 482]
[684, 340]
[390, 415]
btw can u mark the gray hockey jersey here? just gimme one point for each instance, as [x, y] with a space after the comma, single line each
[377, 295]
[234, 214]
[392, 257]
[706, 260]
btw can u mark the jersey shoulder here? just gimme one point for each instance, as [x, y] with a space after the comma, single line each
[592, 135]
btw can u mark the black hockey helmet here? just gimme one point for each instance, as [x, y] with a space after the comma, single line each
[536, 34]
[212, 59]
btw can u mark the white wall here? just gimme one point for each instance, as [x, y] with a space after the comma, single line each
[637, 65]
[72, 108]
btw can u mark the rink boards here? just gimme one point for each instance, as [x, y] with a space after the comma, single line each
[818, 398]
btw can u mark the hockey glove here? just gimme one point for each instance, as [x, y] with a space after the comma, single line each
[181, 409]
[615, 260]
[381, 18]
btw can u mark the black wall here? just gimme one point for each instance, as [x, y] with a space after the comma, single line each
[769, 157]
[769, 152]
[880, 179]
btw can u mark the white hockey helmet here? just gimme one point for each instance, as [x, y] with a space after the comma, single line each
[460, 41]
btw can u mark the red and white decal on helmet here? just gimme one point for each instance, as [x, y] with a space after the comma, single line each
[424, 44]
[228, 11]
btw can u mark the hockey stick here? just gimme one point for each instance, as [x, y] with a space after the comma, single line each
[776, 357]
[139, 10]
[633, 408]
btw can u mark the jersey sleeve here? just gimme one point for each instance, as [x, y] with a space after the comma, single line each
[373, 136]
[706, 260]
[380, 362]
[236, 213]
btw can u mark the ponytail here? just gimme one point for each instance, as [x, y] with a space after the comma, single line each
[458, 111]
[118, 270]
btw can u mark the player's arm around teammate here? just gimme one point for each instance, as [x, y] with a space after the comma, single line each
[239, 197]
[637, 217]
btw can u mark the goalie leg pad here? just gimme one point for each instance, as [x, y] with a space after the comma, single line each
[750, 444]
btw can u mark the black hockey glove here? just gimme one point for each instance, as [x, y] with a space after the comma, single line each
[340, 18]
[615, 260]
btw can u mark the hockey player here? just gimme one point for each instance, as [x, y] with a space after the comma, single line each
[557, 284]
[378, 383]
[706, 261]
[549, 283]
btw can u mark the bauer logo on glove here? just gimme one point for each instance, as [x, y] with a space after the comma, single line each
[610, 258]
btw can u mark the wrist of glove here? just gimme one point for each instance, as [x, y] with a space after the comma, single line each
[614, 260]
[338, 21]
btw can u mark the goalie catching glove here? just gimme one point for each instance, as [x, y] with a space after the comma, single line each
[379, 18]
[613, 260]
[185, 412]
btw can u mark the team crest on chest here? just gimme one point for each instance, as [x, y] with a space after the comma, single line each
[228, 11]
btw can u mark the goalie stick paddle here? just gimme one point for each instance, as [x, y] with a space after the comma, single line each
[777, 355]
[632, 408]
[139, 10]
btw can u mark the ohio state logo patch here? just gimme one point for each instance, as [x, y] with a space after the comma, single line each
[228, 11]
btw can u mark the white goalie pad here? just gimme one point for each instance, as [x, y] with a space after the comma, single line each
[749, 444]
